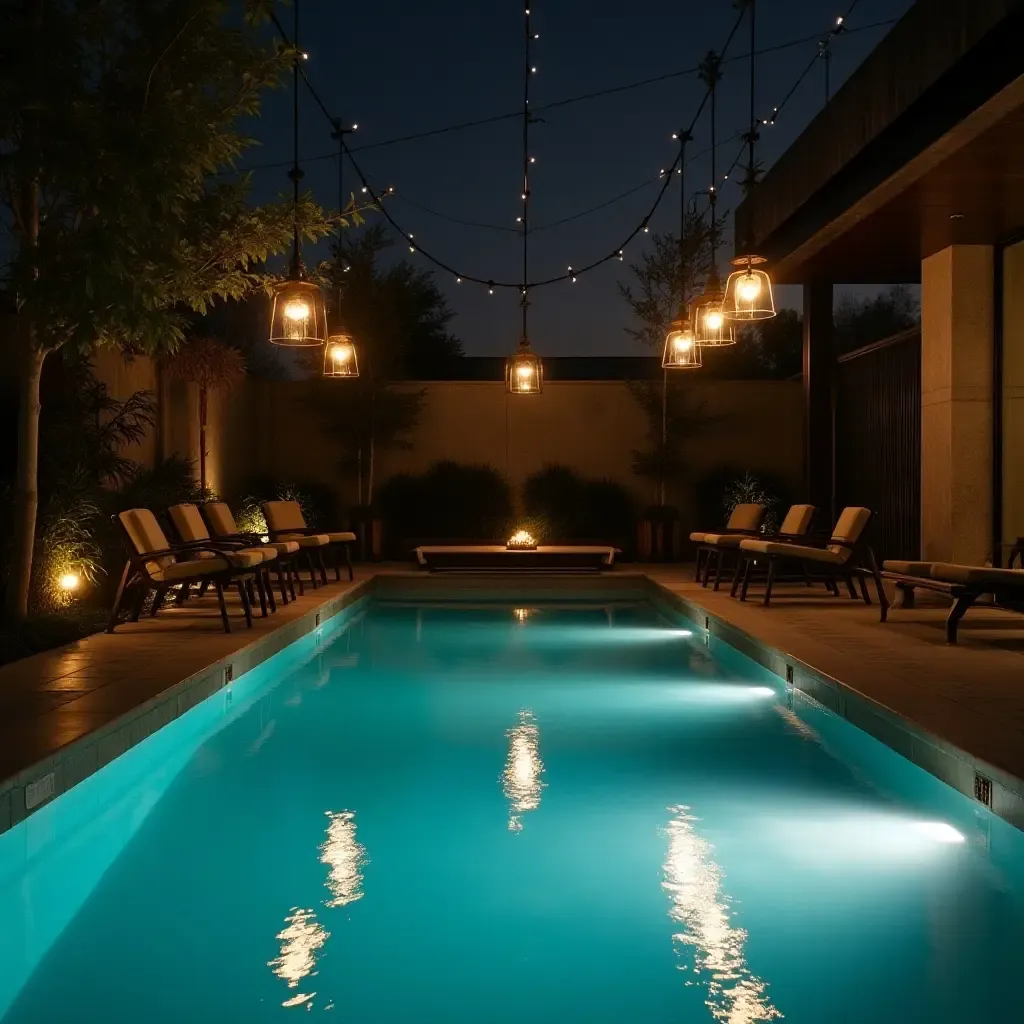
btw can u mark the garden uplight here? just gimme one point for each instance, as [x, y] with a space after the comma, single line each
[70, 582]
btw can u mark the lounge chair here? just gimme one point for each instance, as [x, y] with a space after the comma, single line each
[845, 556]
[192, 531]
[744, 519]
[963, 583]
[222, 526]
[794, 528]
[155, 565]
[285, 521]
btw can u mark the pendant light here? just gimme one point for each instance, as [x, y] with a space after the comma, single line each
[680, 351]
[524, 372]
[298, 316]
[340, 356]
[710, 328]
[748, 292]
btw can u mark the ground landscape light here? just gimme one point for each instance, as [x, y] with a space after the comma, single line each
[70, 581]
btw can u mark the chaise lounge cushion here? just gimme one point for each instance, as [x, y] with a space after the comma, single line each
[307, 540]
[189, 570]
[797, 521]
[192, 529]
[724, 540]
[968, 575]
[922, 570]
[698, 537]
[825, 556]
[341, 537]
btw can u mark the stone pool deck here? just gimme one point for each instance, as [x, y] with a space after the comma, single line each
[956, 711]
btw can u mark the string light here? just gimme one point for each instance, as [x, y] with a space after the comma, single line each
[524, 372]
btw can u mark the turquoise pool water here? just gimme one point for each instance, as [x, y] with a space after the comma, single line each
[495, 814]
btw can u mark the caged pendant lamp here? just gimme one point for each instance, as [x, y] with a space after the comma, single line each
[524, 372]
[748, 292]
[710, 328]
[340, 356]
[681, 351]
[298, 316]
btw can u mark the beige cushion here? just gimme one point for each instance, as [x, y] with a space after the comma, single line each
[851, 524]
[283, 547]
[922, 570]
[249, 558]
[283, 515]
[221, 521]
[798, 520]
[183, 570]
[188, 522]
[341, 537]
[698, 538]
[146, 535]
[723, 540]
[967, 574]
[806, 554]
[311, 540]
[746, 516]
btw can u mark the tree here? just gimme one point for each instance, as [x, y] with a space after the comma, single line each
[117, 121]
[766, 349]
[666, 277]
[210, 365]
[860, 320]
[399, 319]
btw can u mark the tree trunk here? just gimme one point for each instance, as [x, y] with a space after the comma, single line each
[26, 495]
[202, 438]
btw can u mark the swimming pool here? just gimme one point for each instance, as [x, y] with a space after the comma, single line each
[499, 813]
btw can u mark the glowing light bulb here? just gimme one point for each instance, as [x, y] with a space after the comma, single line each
[341, 353]
[70, 581]
[296, 309]
[525, 372]
[713, 319]
[749, 287]
[682, 343]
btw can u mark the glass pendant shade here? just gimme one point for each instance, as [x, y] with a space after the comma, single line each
[299, 315]
[710, 327]
[524, 372]
[681, 352]
[340, 357]
[748, 293]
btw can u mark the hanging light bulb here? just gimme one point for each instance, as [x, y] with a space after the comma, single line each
[299, 314]
[748, 292]
[681, 352]
[298, 317]
[524, 372]
[711, 329]
[340, 357]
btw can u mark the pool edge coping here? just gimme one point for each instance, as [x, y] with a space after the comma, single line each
[939, 757]
[87, 754]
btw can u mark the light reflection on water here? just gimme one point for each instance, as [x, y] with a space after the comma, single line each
[694, 882]
[344, 857]
[300, 942]
[521, 780]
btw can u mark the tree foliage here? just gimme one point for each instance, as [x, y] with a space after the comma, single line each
[666, 276]
[137, 107]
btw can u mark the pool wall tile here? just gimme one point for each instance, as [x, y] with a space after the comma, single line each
[82, 758]
[933, 754]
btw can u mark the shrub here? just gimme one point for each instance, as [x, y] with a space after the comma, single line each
[449, 502]
[316, 501]
[571, 508]
[721, 490]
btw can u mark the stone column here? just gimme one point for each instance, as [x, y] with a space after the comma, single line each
[957, 323]
[819, 401]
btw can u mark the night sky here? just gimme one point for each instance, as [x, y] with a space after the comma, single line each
[405, 67]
